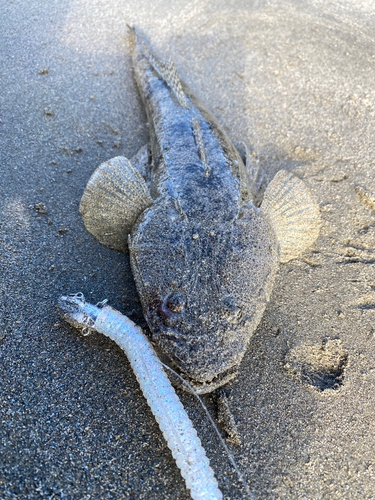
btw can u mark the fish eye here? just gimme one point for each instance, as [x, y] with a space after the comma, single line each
[174, 303]
[231, 310]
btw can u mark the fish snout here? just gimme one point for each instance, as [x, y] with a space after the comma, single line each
[196, 359]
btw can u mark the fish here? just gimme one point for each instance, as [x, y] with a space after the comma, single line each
[205, 240]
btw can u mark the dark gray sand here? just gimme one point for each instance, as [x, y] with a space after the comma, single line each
[295, 81]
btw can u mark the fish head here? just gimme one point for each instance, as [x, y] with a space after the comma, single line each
[203, 289]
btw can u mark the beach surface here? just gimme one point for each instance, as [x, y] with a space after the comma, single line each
[294, 80]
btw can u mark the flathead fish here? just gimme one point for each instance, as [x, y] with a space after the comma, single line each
[204, 254]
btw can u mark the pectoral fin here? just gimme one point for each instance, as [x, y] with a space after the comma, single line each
[114, 197]
[293, 213]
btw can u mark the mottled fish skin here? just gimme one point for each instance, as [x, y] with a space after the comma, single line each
[203, 256]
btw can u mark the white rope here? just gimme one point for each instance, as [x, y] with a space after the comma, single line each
[173, 420]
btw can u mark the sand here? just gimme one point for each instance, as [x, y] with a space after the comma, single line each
[294, 80]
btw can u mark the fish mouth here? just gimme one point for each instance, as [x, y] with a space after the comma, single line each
[199, 365]
[184, 381]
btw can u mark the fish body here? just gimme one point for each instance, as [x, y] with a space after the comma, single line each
[203, 255]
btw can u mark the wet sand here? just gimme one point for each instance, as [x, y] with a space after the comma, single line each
[294, 81]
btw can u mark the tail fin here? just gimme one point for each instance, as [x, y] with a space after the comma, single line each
[167, 71]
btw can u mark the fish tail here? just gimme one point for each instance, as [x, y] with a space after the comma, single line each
[167, 71]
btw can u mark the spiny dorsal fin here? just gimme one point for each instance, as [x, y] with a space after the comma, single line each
[113, 199]
[167, 71]
[293, 213]
[173, 80]
[256, 176]
[197, 131]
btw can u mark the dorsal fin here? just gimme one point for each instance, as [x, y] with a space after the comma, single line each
[167, 71]
[197, 131]
[256, 176]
